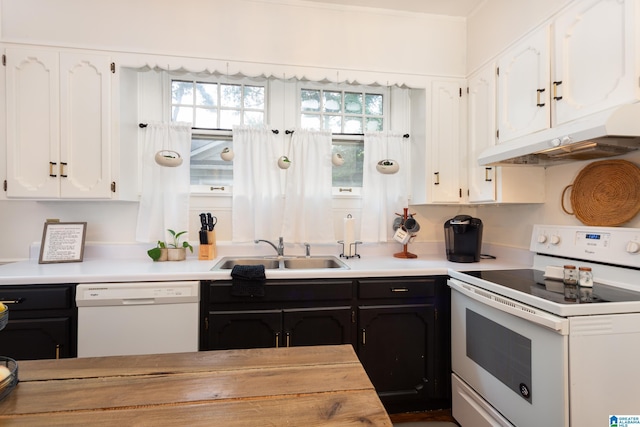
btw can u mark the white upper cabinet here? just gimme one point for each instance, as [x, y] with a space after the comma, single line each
[491, 184]
[446, 153]
[523, 87]
[58, 125]
[595, 60]
[436, 135]
[591, 50]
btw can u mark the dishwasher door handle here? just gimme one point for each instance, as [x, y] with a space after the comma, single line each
[138, 301]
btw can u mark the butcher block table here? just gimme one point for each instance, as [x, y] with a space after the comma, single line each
[297, 386]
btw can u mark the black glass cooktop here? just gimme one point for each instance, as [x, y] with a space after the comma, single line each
[533, 282]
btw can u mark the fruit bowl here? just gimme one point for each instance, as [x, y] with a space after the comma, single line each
[7, 381]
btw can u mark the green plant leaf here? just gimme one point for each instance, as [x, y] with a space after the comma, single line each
[154, 253]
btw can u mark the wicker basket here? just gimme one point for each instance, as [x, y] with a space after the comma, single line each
[605, 193]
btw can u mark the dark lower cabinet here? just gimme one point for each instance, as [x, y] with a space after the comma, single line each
[403, 341]
[42, 322]
[398, 326]
[291, 313]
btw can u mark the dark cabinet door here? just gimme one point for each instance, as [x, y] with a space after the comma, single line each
[317, 326]
[36, 339]
[244, 329]
[396, 344]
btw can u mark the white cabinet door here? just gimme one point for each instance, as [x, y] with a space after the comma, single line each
[33, 133]
[523, 87]
[58, 125]
[85, 132]
[595, 58]
[445, 142]
[500, 184]
[481, 133]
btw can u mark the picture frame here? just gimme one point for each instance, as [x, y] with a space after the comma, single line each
[62, 242]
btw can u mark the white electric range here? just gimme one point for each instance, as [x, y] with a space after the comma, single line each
[524, 356]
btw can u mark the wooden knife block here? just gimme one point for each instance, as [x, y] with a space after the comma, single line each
[208, 251]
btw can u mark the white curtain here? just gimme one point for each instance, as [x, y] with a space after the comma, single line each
[383, 195]
[164, 201]
[257, 193]
[308, 215]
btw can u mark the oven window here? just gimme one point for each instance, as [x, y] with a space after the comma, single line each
[502, 352]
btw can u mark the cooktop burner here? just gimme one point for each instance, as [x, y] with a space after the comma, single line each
[533, 282]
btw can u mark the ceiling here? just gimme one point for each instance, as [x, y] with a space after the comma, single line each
[462, 8]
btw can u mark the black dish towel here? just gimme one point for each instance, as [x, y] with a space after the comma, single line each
[248, 280]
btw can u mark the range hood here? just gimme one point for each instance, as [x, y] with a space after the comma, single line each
[608, 133]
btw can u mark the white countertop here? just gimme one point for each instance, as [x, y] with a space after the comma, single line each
[129, 263]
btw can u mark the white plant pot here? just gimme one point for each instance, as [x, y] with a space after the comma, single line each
[168, 158]
[337, 159]
[177, 254]
[284, 162]
[227, 154]
[387, 166]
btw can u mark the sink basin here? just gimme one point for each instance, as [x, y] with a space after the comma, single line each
[229, 262]
[285, 263]
[314, 262]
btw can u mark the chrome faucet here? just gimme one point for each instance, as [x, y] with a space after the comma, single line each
[279, 249]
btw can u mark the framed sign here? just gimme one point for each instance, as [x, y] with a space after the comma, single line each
[62, 242]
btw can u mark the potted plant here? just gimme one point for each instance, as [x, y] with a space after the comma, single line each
[178, 251]
[159, 253]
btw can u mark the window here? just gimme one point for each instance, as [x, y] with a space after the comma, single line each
[348, 113]
[341, 111]
[213, 105]
[213, 108]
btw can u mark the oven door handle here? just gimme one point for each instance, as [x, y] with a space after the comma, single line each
[507, 305]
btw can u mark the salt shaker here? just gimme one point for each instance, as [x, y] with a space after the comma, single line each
[585, 284]
[570, 281]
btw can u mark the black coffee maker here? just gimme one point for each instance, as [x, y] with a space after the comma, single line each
[463, 238]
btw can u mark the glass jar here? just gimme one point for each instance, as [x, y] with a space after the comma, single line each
[585, 284]
[570, 280]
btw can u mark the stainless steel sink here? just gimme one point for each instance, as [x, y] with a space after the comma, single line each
[284, 263]
[314, 262]
[229, 262]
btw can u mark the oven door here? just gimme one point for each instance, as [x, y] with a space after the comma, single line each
[512, 356]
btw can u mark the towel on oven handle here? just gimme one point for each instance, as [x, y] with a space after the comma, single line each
[248, 280]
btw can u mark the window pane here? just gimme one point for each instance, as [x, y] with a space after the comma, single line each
[230, 96]
[373, 104]
[333, 123]
[310, 100]
[332, 102]
[254, 97]
[353, 103]
[206, 118]
[350, 173]
[228, 118]
[353, 124]
[207, 94]
[374, 124]
[253, 118]
[181, 92]
[308, 121]
[182, 114]
[207, 168]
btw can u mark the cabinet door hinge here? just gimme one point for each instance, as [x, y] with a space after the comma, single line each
[353, 316]
[460, 192]
[460, 92]
[497, 133]
[206, 323]
[113, 68]
[4, 186]
[497, 71]
[113, 187]
[4, 60]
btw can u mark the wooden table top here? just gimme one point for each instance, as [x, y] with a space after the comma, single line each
[296, 386]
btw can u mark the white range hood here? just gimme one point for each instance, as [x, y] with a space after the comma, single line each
[608, 133]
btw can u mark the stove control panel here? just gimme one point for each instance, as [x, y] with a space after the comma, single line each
[619, 246]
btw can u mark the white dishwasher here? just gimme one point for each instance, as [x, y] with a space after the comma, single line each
[117, 319]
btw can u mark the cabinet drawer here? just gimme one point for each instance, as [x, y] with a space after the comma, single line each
[35, 297]
[396, 288]
[286, 290]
